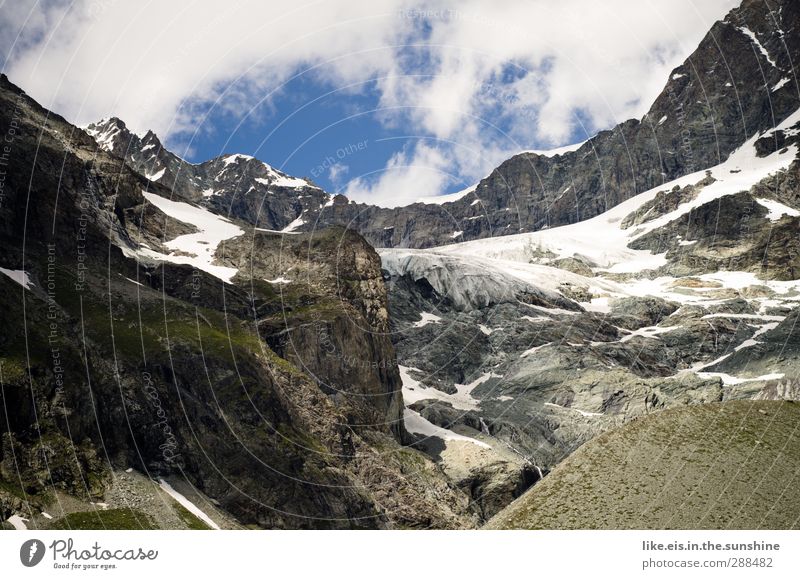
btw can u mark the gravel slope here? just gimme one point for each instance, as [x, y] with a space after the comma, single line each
[715, 466]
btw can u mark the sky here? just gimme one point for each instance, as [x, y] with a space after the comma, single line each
[386, 101]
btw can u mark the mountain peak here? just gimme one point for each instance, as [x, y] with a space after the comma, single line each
[111, 134]
[107, 124]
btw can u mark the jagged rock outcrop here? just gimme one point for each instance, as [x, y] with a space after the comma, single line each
[735, 233]
[235, 185]
[775, 350]
[321, 304]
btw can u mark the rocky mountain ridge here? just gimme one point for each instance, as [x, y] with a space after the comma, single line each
[737, 83]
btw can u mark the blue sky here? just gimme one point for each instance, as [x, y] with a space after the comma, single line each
[310, 129]
[426, 97]
[305, 130]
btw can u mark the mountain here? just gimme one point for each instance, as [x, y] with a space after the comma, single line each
[148, 339]
[684, 294]
[710, 466]
[739, 82]
[236, 185]
[223, 337]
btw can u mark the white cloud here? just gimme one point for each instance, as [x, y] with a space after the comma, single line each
[454, 71]
[406, 177]
[337, 171]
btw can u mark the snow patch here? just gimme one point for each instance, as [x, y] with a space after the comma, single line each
[782, 82]
[752, 341]
[751, 35]
[427, 318]
[533, 350]
[414, 391]
[276, 231]
[581, 412]
[286, 181]
[729, 380]
[449, 198]
[299, 222]
[280, 179]
[648, 332]
[18, 522]
[187, 504]
[776, 209]
[416, 424]
[557, 151]
[157, 175]
[536, 319]
[19, 276]
[600, 305]
[235, 158]
[744, 317]
[198, 248]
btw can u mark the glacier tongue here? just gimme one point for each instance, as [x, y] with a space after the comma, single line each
[471, 283]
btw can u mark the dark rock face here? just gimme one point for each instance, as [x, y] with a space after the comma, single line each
[776, 349]
[443, 414]
[327, 315]
[109, 363]
[665, 202]
[633, 313]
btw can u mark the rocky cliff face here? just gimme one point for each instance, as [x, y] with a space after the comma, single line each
[125, 351]
[320, 303]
